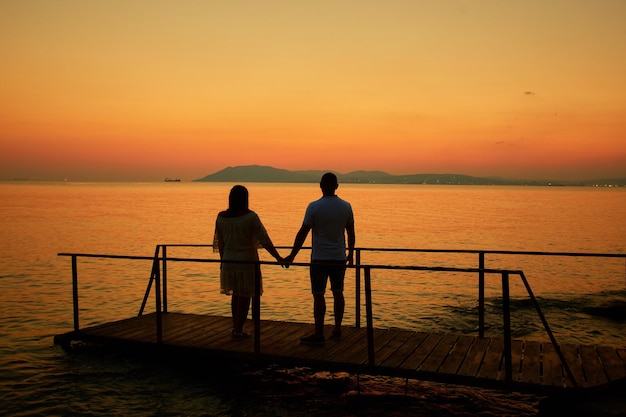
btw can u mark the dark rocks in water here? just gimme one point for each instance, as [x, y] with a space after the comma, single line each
[603, 402]
[615, 311]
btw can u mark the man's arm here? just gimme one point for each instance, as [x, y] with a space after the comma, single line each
[298, 242]
[351, 242]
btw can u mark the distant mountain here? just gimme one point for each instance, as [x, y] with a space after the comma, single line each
[258, 173]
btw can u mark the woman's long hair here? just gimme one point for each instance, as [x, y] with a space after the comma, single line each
[237, 199]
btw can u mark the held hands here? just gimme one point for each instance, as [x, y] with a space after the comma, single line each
[286, 261]
[282, 261]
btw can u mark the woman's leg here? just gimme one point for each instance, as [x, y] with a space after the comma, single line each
[233, 310]
[242, 306]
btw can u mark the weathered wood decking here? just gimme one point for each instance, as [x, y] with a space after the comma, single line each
[448, 358]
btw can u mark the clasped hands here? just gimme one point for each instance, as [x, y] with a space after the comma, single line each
[286, 261]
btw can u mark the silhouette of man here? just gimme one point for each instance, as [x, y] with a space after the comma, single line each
[328, 218]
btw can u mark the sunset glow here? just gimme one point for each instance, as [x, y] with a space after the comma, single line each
[142, 90]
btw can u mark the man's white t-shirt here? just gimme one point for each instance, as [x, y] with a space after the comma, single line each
[328, 218]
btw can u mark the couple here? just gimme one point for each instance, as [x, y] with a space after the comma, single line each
[239, 232]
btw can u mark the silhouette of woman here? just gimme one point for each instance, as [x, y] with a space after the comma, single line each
[239, 232]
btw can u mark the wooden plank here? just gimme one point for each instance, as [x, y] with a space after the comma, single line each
[183, 327]
[176, 326]
[475, 356]
[492, 360]
[384, 345]
[572, 358]
[212, 335]
[271, 333]
[172, 324]
[530, 371]
[356, 351]
[117, 324]
[353, 340]
[142, 329]
[352, 348]
[417, 357]
[439, 353]
[552, 369]
[193, 331]
[286, 341]
[613, 364]
[594, 371]
[175, 333]
[381, 339]
[414, 340]
[457, 354]
[293, 341]
[275, 333]
[218, 338]
[391, 348]
[122, 328]
[517, 353]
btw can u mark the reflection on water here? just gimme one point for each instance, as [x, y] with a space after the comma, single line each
[583, 298]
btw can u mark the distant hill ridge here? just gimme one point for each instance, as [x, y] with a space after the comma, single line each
[258, 173]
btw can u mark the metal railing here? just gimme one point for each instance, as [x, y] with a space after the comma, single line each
[158, 280]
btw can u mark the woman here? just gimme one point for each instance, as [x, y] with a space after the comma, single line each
[238, 234]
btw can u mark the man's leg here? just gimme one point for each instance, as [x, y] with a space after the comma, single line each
[319, 311]
[318, 287]
[337, 276]
[339, 307]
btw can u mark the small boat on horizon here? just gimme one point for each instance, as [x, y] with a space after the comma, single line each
[168, 179]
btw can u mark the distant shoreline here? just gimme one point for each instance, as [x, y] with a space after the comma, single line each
[257, 173]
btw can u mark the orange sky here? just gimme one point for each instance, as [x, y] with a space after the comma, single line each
[144, 89]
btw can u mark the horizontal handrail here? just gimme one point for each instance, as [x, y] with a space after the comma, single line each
[434, 250]
[260, 262]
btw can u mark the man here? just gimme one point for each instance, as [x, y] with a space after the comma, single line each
[328, 218]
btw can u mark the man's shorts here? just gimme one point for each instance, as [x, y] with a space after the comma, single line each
[320, 271]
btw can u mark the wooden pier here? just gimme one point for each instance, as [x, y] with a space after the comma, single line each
[490, 362]
[447, 358]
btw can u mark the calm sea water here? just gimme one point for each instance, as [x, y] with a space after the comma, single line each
[583, 298]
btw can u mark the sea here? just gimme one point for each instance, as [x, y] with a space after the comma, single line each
[534, 229]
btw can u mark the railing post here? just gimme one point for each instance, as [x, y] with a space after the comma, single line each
[357, 290]
[157, 292]
[481, 294]
[506, 316]
[164, 278]
[75, 292]
[548, 330]
[155, 267]
[370, 320]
